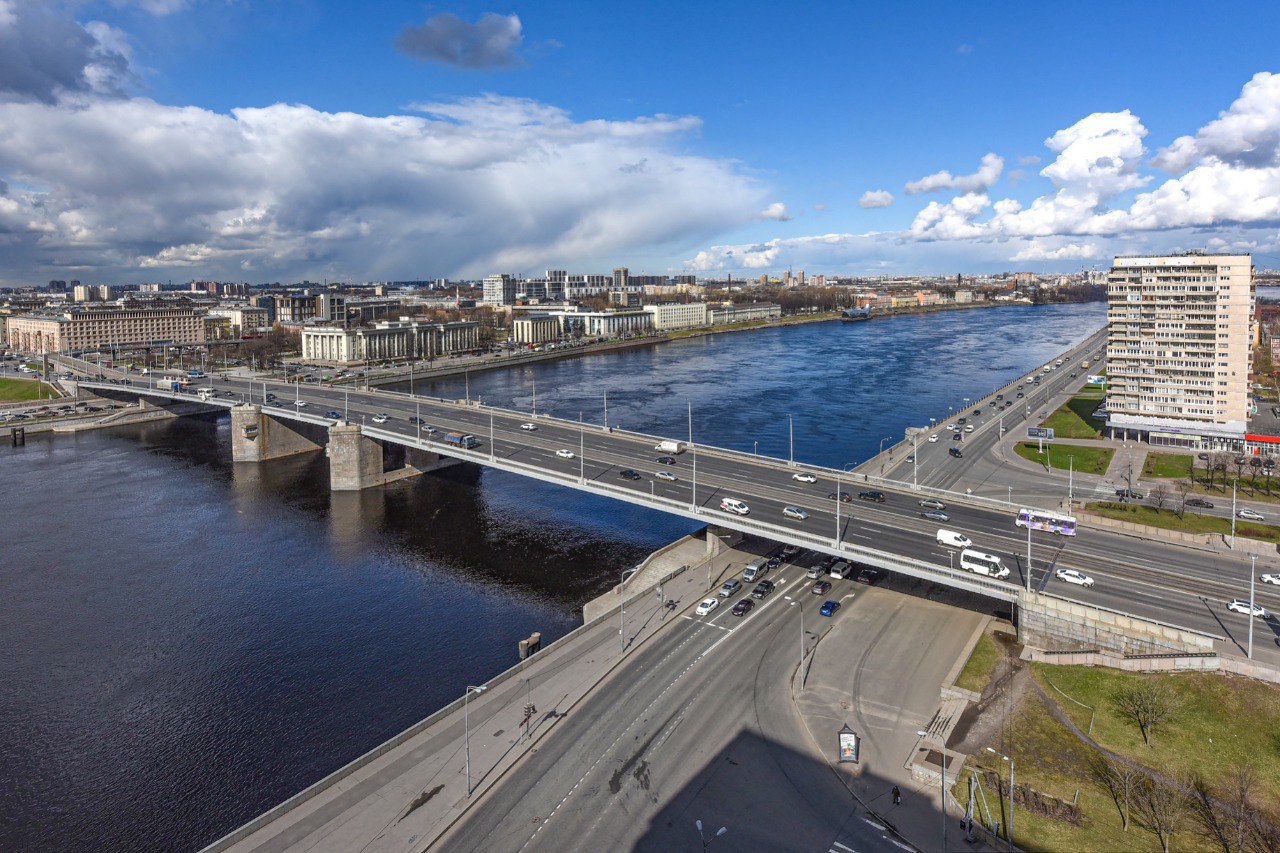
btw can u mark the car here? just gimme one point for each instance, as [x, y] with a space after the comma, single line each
[977, 412]
[956, 453]
[1241, 605]
[1275, 579]
[1020, 394]
[999, 396]
[932, 503]
[829, 608]
[1072, 576]
[730, 588]
[961, 421]
[789, 551]
[1199, 503]
[1251, 515]
[843, 497]
[666, 460]
[270, 397]
[380, 418]
[911, 457]
[933, 438]
[628, 474]
[773, 563]
[1129, 494]
[416, 420]
[795, 512]
[300, 403]
[743, 607]
[871, 495]
[565, 454]
[665, 475]
[958, 437]
[821, 587]
[935, 515]
[734, 506]
[968, 428]
[429, 430]
[706, 606]
[333, 414]
[528, 427]
[804, 477]
[868, 576]
[762, 589]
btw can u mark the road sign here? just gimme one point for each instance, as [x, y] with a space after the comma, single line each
[1040, 432]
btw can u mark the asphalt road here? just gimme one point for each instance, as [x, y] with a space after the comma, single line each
[701, 726]
[1181, 585]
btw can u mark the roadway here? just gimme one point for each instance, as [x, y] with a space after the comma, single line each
[702, 725]
[1181, 585]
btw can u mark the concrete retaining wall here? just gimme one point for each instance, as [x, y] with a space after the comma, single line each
[687, 550]
[1170, 663]
[1215, 541]
[1056, 624]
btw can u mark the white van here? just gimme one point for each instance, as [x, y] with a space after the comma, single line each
[755, 570]
[951, 539]
[735, 506]
[982, 564]
[840, 569]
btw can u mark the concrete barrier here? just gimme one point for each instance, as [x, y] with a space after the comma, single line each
[1215, 541]
[1059, 624]
[1157, 663]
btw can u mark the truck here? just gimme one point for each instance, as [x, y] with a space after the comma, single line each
[179, 385]
[461, 439]
[1084, 365]
[673, 447]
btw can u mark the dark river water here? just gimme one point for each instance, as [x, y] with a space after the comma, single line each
[186, 643]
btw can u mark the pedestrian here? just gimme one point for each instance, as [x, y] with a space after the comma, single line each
[897, 796]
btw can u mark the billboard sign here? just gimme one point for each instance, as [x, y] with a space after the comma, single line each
[1095, 379]
[849, 744]
[1040, 432]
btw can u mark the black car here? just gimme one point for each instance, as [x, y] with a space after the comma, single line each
[868, 576]
[628, 474]
[1021, 395]
[333, 414]
[871, 495]
[955, 451]
[774, 563]
[1200, 503]
[999, 396]
[666, 460]
[960, 420]
[762, 589]
[416, 420]
[977, 412]
[1129, 495]
[958, 437]
[743, 607]
[842, 496]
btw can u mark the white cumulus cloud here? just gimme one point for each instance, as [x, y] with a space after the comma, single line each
[777, 212]
[1245, 134]
[988, 173]
[875, 198]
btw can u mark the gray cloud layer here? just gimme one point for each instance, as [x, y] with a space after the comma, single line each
[44, 56]
[491, 42]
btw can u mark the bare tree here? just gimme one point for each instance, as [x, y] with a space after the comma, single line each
[1185, 488]
[1219, 461]
[1121, 780]
[1159, 495]
[1161, 810]
[1148, 703]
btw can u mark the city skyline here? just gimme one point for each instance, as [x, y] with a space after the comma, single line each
[180, 139]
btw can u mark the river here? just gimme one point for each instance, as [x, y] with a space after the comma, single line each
[187, 642]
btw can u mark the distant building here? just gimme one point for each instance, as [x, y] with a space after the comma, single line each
[388, 339]
[621, 278]
[963, 297]
[676, 315]
[624, 298]
[91, 293]
[500, 289]
[93, 327]
[718, 315]
[603, 324]
[535, 329]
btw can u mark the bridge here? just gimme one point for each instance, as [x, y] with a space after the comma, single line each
[1150, 597]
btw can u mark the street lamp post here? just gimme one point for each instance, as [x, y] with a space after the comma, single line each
[791, 436]
[466, 726]
[942, 763]
[1071, 475]
[706, 842]
[1028, 558]
[793, 603]
[1234, 484]
[1253, 570]
[1008, 834]
[622, 609]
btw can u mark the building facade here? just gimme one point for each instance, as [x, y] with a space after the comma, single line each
[388, 339]
[718, 315]
[536, 329]
[677, 315]
[103, 326]
[500, 289]
[1178, 348]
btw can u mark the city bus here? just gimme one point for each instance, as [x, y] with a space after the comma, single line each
[982, 564]
[1053, 522]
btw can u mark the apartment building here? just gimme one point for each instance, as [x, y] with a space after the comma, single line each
[1178, 349]
[500, 289]
[79, 328]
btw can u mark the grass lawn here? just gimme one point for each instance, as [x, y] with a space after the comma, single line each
[1090, 460]
[1190, 523]
[1221, 721]
[977, 670]
[1167, 465]
[1074, 419]
[13, 390]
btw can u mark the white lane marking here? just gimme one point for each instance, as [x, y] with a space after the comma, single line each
[850, 849]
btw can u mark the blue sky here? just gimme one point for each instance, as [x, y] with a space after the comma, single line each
[790, 112]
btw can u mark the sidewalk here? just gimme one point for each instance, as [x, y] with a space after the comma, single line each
[407, 792]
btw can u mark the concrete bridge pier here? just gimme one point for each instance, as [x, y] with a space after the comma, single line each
[257, 437]
[358, 462]
[720, 539]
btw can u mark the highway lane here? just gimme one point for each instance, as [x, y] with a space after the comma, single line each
[1178, 581]
[701, 727]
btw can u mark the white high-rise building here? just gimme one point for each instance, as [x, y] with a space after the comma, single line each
[500, 289]
[1179, 349]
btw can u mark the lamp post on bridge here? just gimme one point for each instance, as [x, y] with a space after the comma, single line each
[791, 437]
[466, 724]
[622, 609]
[881, 453]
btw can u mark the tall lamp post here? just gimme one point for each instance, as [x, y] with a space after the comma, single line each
[881, 453]
[791, 436]
[622, 609]
[1071, 477]
[1008, 833]
[706, 842]
[466, 726]
[1253, 572]
[793, 603]
[942, 763]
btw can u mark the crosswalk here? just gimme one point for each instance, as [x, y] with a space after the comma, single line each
[846, 843]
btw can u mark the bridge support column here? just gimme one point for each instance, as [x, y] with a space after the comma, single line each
[357, 462]
[257, 437]
[720, 538]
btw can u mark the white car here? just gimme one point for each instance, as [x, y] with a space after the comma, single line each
[1251, 515]
[1275, 579]
[735, 506]
[706, 606]
[528, 427]
[933, 438]
[1240, 605]
[665, 475]
[795, 512]
[300, 403]
[804, 478]
[564, 454]
[380, 418]
[1072, 576]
